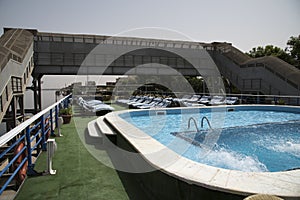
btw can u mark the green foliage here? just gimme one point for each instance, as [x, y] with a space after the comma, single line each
[294, 49]
[281, 102]
[65, 111]
[270, 50]
[152, 87]
[196, 83]
[291, 54]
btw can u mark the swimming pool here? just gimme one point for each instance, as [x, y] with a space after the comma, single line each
[144, 131]
[248, 140]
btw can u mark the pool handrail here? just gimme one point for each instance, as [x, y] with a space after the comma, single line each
[189, 123]
[206, 121]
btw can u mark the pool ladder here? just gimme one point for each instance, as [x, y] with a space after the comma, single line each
[189, 123]
[205, 118]
[202, 120]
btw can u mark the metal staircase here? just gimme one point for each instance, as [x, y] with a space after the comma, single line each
[267, 75]
[16, 65]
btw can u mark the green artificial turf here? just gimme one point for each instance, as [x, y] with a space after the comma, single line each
[79, 174]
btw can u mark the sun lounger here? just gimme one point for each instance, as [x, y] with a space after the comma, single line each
[194, 99]
[204, 100]
[154, 103]
[217, 100]
[184, 98]
[231, 100]
[147, 101]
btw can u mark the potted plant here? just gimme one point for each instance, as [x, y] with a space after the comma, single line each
[66, 114]
[281, 102]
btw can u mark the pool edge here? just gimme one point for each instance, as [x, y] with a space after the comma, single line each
[284, 184]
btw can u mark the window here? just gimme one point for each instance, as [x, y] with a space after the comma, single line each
[177, 45]
[170, 45]
[16, 84]
[78, 39]
[108, 41]
[119, 42]
[89, 40]
[100, 39]
[161, 44]
[134, 43]
[186, 46]
[68, 39]
[57, 39]
[45, 38]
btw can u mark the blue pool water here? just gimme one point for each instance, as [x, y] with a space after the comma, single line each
[246, 140]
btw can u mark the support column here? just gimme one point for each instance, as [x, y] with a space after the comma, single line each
[37, 94]
[14, 111]
[21, 106]
[11, 115]
[40, 93]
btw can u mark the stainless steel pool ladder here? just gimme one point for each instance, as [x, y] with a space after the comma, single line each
[189, 123]
[206, 121]
[193, 119]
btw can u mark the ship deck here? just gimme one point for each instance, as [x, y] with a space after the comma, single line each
[79, 175]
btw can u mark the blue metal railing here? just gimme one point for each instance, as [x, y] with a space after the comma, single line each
[27, 140]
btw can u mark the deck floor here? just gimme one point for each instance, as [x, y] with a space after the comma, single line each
[79, 175]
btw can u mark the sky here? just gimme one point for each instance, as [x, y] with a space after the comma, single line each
[244, 23]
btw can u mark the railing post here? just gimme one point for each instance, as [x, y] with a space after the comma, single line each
[257, 99]
[66, 103]
[29, 155]
[56, 116]
[44, 147]
[51, 122]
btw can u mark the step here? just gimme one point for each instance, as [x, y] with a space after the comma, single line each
[104, 128]
[93, 129]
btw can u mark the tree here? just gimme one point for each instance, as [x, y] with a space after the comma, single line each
[196, 83]
[270, 50]
[294, 50]
[290, 54]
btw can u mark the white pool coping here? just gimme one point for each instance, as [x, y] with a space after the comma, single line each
[285, 184]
